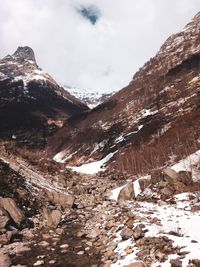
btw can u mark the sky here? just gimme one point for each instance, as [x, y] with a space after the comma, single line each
[96, 45]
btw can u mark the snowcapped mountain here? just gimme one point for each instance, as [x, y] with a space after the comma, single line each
[90, 98]
[30, 99]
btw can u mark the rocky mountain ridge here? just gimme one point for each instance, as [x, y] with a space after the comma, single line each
[31, 101]
[148, 122]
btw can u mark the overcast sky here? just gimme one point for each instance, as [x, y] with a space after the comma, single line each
[93, 44]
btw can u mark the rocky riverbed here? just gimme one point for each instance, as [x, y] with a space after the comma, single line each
[106, 219]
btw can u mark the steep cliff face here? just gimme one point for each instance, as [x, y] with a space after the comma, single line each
[151, 121]
[32, 104]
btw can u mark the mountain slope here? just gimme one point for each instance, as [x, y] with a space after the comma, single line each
[153, 120]
[31, 102]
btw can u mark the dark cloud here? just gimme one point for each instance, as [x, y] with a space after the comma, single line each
[91, 13]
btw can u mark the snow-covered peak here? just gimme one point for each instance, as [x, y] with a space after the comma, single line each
[90, 98]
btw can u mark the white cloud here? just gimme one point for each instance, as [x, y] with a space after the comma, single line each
[103, 56]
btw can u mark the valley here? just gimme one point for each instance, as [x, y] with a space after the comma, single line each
[115, 185]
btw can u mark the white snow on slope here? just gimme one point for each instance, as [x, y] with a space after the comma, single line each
[188, 164]
[93, 167]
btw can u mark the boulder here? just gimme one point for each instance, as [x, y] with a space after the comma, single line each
[4, 218]
[126, 233]
[10, 206]
[63, 199]
[144, 183]
[167, 192]
[53, 218]
[179, 187]
[136, 264]
[126, 193]
[138, 232]
[5, 260]
[176, 263]
[185, 177]
[170, 175]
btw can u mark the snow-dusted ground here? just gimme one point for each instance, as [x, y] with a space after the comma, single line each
[93, 167]
[177, 218]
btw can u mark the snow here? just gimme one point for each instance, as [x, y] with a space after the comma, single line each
[64, 155]
[147, 112]
[173, 218]
[188, 163]
[98, 146]
[59, 157]
[115, 192]
[120, 249]
[136, 185]
[137, 188]
[93, 167]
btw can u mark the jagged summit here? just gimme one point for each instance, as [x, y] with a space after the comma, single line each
[31, 101]
[25, 52]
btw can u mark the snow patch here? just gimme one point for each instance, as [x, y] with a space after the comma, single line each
[93, 167]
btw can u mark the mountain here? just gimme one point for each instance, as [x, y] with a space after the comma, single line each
[153, 120]
[32, 104]
[117, 185]
[90, 98]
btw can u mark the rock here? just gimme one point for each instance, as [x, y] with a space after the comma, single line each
[53, 217]
[126, 193]
[185, 177]
[179, 187]
[4, 218]
[128, 250]
[39, 263]
[52, 262]
[103, 265]
[138, 232]
[196, 262]
[136, 264]
[5, 260]
[80, 252]
[64, 246]
[4, 239]
[110, 224]
[170, 175]
[167, 192]
[64, 200]
[176, 263]
[126, 233]
[43, 244]
[10, 206]
[144, 183]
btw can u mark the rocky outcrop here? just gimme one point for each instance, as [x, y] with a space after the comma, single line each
[52, 218]
[10, 206]
[63, 199]
[126, 193]
[4, 218]
[5, 260]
